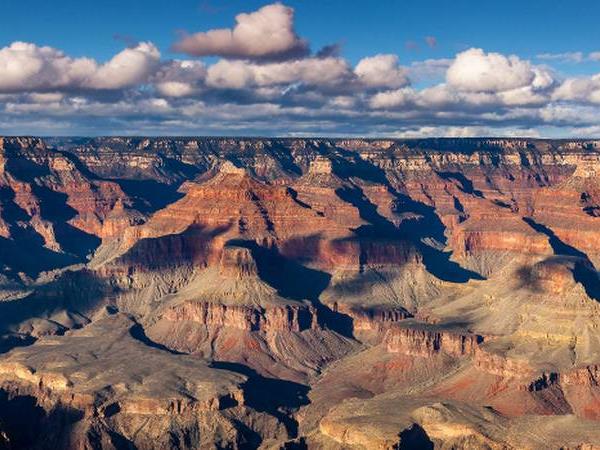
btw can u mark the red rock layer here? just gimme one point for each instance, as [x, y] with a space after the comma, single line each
[244, 317]
[424, 342]
[232, 205]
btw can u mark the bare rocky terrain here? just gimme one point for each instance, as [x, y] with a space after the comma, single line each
[183, 293]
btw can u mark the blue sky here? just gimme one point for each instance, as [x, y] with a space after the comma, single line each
[527, 28]
[557, 37]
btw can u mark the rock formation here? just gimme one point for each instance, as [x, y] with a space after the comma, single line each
[299, 293]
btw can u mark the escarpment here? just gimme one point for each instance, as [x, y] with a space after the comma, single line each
[299, 293]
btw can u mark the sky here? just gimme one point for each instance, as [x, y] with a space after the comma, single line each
[388, 68]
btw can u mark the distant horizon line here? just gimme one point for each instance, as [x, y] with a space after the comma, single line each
[333, 138]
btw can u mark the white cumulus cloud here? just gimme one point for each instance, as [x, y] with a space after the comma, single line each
[312, 71]
[476, 71]
[266, 33]
[393, 99]
[25, 66]
[179, 78]
[381, 71]
[584, 89]
[127, 68]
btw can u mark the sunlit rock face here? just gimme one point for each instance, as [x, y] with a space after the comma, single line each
[299, 293]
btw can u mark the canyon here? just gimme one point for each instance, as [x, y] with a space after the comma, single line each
[283, 293]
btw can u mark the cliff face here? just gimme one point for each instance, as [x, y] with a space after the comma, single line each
[214, 316]
[475, 190]
[237, 293]
[52, 208]
[426, 342]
